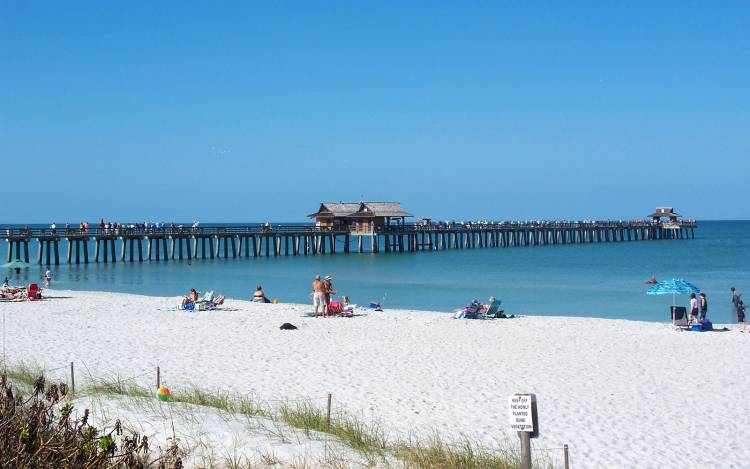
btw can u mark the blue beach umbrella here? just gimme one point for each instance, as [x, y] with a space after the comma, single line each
[674, 287]
[16, 264]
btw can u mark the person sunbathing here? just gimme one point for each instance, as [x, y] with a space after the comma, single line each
[191, 298]
[259, 296]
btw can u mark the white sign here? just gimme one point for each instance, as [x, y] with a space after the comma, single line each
[519, 410]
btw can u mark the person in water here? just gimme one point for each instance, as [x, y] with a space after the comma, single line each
[741, 313]
[736, 298]
[259, 296]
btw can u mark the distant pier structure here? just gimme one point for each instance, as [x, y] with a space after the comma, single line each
[371, 227]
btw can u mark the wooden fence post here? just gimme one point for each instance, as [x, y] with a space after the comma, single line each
[72, 379]
[158, 377]
[525, 449]
[328, 412]
[566, 457]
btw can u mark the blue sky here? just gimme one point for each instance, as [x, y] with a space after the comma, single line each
[257, 111]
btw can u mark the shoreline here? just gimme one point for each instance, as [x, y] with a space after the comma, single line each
[417, 371]
[362, 307]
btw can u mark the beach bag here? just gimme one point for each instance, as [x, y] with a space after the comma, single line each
[335, 307]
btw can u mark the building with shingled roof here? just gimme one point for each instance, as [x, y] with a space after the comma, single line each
[359, 217]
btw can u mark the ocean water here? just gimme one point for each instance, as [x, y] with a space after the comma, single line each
[598, 280]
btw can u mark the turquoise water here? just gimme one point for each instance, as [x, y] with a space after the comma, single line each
[600, 280]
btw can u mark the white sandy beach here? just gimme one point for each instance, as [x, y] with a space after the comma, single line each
[620, 393]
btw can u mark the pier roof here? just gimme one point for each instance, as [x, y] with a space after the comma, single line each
[335, 209]
[664, 212]
[358, 209]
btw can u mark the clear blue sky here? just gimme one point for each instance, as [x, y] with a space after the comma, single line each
[257, 111]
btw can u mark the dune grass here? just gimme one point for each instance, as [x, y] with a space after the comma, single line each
[367, 438]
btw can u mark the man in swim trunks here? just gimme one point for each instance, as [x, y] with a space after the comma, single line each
[319, 299]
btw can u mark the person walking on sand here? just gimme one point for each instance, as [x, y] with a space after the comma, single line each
[319, 299]
[693, 308]
[48, 278]
[704, 306]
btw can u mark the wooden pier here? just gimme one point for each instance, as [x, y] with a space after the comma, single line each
[166, 244]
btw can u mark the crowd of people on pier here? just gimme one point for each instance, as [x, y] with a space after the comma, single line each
[110, 228]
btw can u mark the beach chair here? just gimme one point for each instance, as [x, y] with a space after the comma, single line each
[208, 297]
[33, 292]
[473, 311]
[494, 310]
[678, 314]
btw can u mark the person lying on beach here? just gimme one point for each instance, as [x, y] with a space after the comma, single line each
[8, 290]
[191, 298]
[259, 296]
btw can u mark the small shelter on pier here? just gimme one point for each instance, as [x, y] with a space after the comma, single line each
[664, 212]
[361, 217]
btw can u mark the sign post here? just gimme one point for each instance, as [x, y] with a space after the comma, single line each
[523, 417]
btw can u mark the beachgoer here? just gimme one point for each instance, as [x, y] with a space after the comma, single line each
[328, 289]
[191, 298]
[704, 306]
[6, 282]
[736, 298]
[319, 299]
[741, 312]
[48, 278]
[259, 296]
[693, 308]
[53, 228]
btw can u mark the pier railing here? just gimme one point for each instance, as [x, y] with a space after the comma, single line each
[126, 242]
[127, 230]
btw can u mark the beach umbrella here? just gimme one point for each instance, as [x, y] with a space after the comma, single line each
[16, 264]
[674, 287]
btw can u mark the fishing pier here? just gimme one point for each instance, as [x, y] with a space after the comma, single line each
[361, 231]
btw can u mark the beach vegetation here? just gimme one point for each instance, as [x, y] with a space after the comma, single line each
[37, 431]
[367, 438]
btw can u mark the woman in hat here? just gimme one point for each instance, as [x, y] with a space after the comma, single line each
[328, 289]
